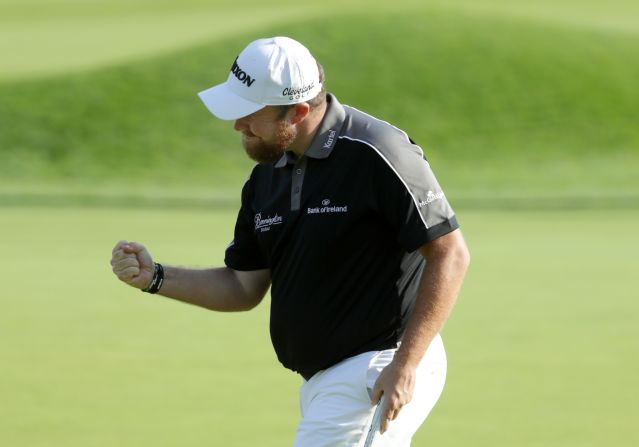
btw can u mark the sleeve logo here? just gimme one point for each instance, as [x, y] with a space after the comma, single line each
[430, 198]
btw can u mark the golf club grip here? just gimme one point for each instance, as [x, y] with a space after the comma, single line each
[373, 431]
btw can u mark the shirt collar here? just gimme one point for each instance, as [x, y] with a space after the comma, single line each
[326, 136]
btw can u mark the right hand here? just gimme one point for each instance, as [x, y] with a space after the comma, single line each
[132, 264]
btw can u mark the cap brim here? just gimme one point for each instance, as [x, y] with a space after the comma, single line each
[225, 104]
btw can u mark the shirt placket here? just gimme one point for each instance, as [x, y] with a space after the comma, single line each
[299, 170]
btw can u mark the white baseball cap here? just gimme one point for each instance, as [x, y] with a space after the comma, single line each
[273, 71]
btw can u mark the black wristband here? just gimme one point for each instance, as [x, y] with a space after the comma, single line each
[158, 279]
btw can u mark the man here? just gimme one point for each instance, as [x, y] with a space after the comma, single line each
[344, 220]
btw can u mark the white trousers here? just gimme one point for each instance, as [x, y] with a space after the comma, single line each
[336, 402]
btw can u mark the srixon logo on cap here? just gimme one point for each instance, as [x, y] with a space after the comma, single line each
[241, 74]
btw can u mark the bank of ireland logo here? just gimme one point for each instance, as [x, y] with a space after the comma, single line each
[265, 224]
[327, 208]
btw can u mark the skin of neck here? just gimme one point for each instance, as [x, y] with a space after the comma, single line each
[307, 122]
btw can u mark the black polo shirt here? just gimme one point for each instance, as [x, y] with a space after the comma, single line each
[339, 228]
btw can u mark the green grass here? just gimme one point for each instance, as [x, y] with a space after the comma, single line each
[542, 344]
[517, 104]
[503, 106]
[42, 37]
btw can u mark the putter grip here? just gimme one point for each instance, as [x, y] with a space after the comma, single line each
[373, 431]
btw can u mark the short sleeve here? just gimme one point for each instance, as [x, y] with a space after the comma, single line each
[410, 197]
[244, 253]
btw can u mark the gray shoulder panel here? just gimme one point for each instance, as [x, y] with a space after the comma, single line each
[405, 159]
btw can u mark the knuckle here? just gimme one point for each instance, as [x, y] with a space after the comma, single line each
[119, 245]
[126, 273]
[127, 263]
[131, 271]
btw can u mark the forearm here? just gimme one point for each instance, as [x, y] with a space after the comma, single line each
[447, 259]
[220, 289]
[446, 265]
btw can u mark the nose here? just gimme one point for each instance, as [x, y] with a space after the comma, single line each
[240, 124]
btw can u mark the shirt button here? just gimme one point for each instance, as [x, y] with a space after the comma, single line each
[299, 171]
[296, 189]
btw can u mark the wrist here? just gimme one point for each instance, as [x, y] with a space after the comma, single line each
[157, 280]
[405, 363]
[406, 358]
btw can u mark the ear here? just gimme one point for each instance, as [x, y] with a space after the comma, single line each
[300, 112]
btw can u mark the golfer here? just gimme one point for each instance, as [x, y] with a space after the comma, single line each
[344, 220]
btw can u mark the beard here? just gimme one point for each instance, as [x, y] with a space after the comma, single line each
[270, 152]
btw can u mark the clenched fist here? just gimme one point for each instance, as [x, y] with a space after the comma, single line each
[132, 263]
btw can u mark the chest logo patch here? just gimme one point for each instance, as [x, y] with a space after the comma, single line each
[326, 208]
[265, 224]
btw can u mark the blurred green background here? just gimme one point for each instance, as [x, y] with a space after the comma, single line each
[528, 112]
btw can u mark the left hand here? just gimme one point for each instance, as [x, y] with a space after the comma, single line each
[397, 383]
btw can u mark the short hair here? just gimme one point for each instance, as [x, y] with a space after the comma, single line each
[315, 103]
